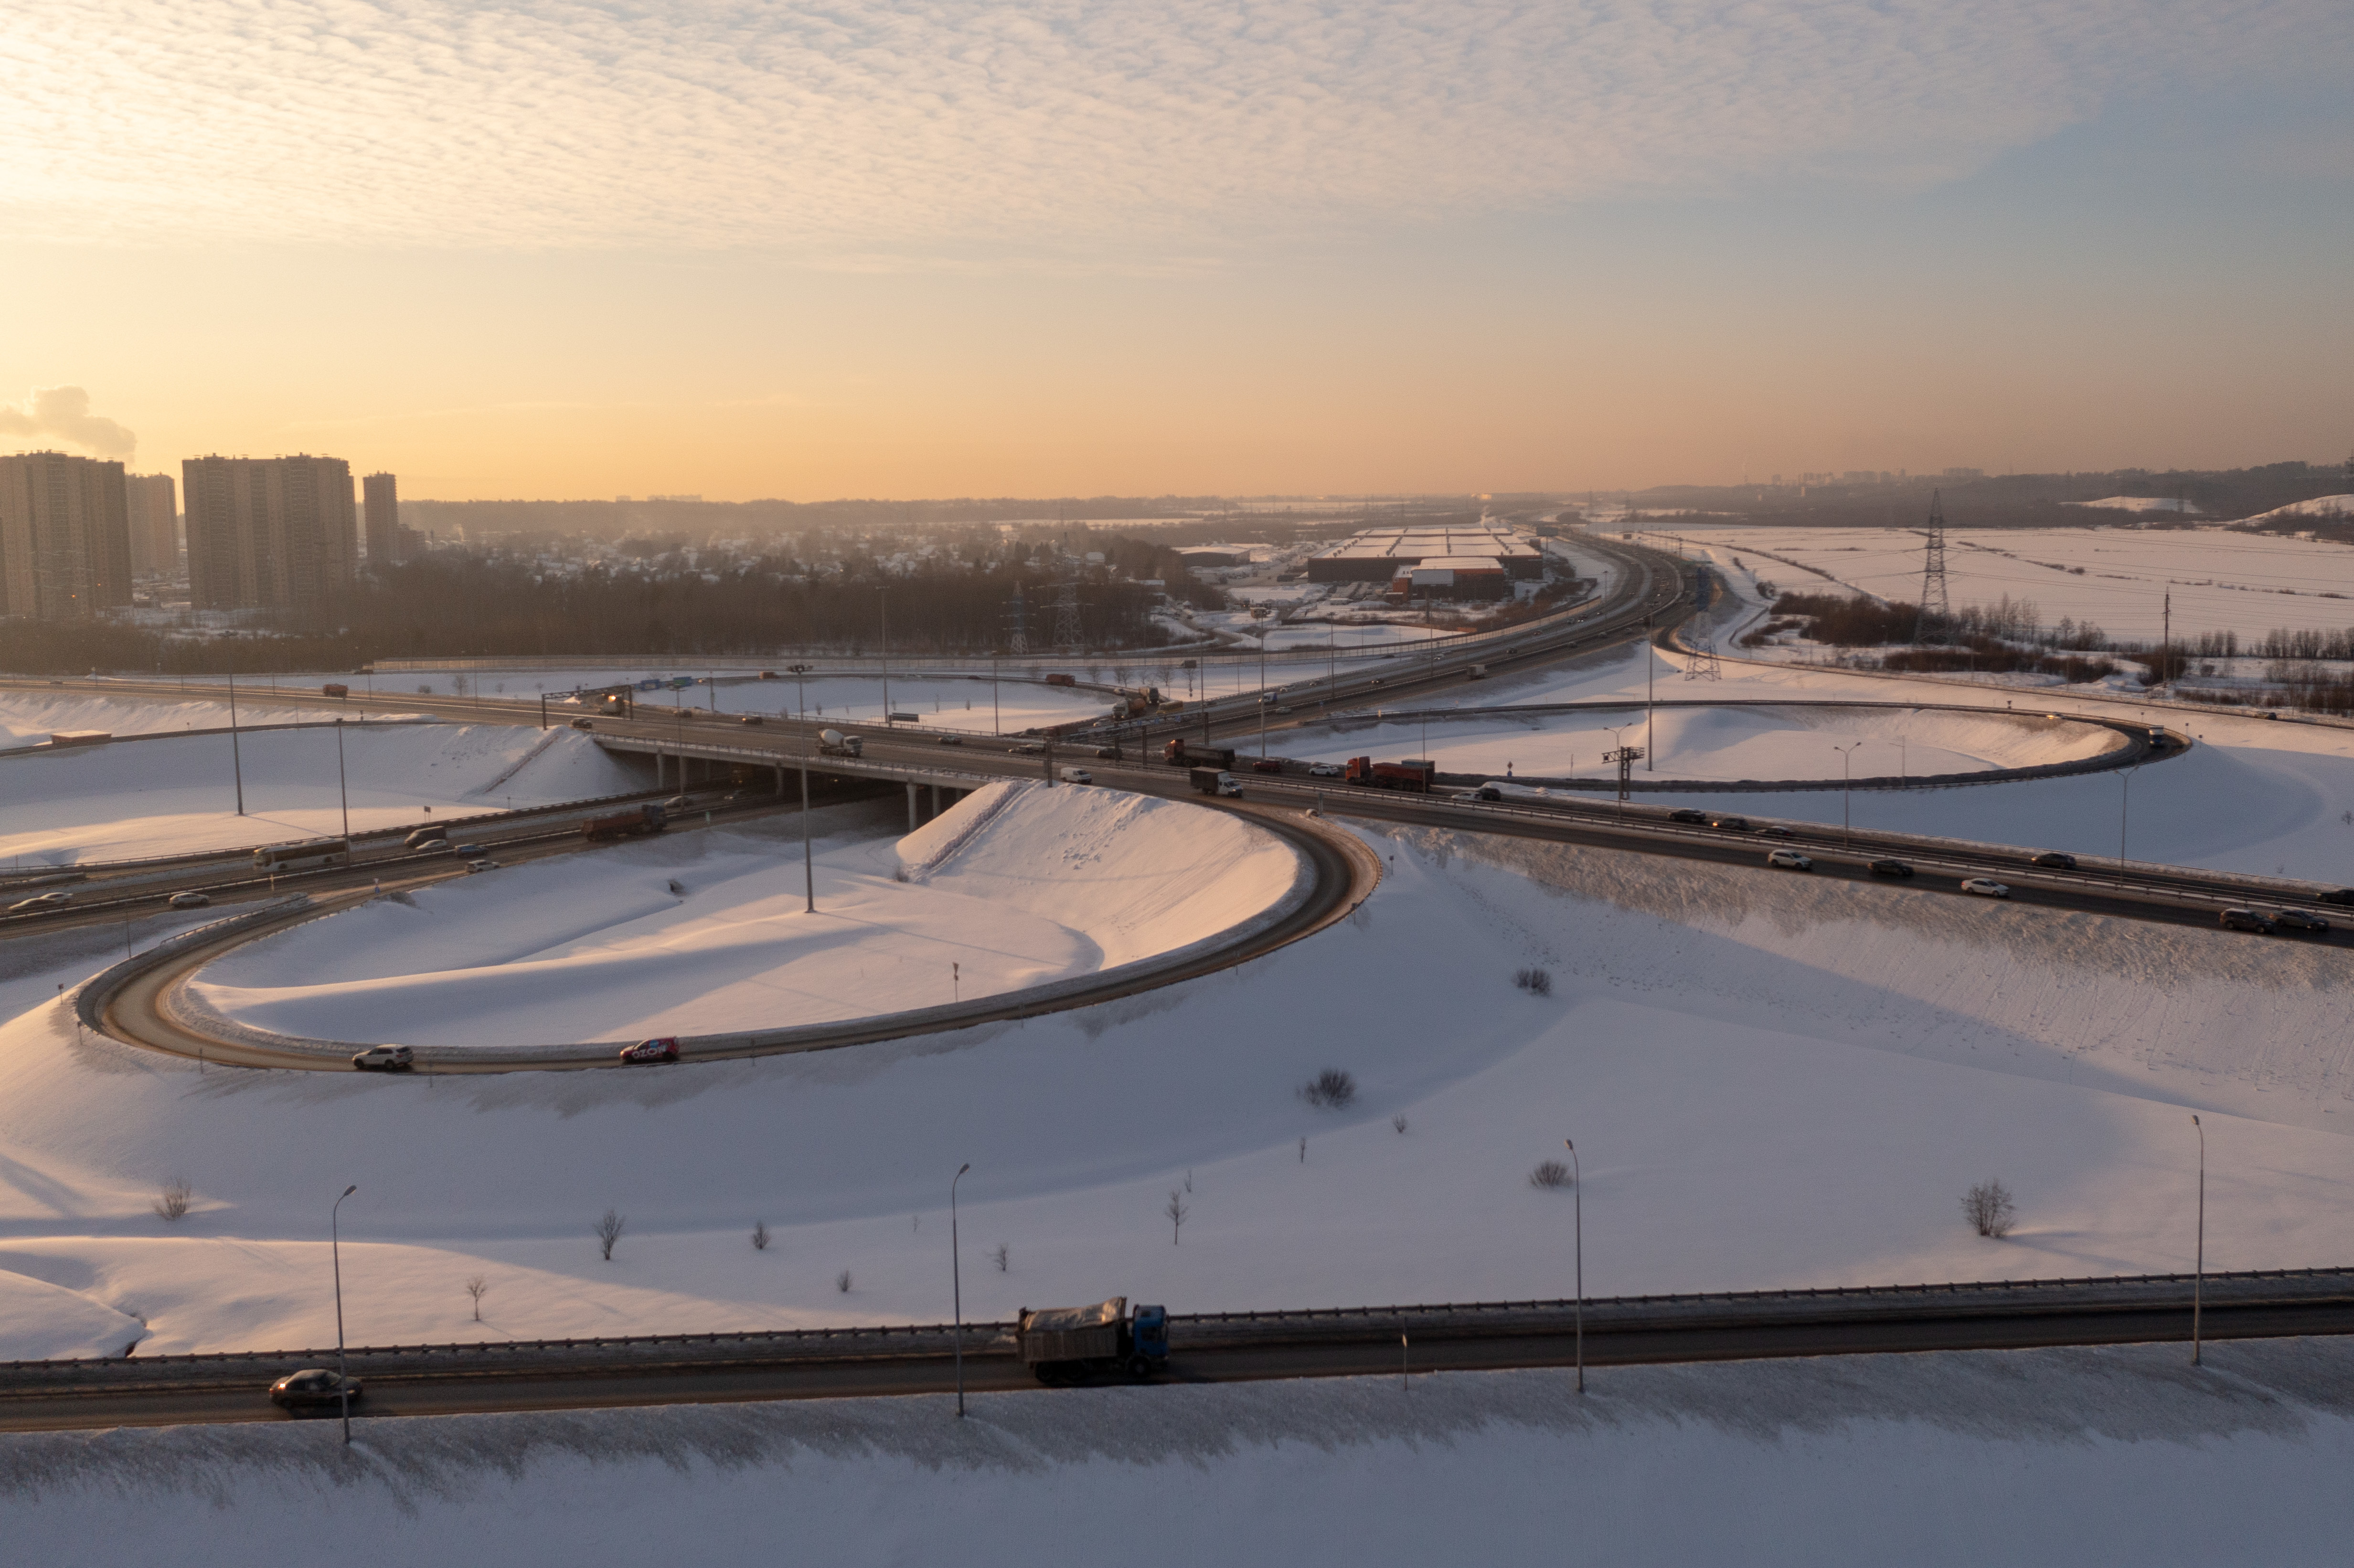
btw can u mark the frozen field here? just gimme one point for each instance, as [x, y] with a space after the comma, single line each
[1715, 742]
[2059, 1457]
[2221, 579]
[177, 795]
[30, 717]
[1773, 1080]
[1017, 886]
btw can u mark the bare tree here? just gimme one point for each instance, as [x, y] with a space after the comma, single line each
[1989, 1208]
[1001, 1257]
[1176, 1209]
[609, 1231]
[1536, 982]
[841, 1282]
[475, 1288]
[172, 1203]
[761, 1237]
[1398, 1121]
[1331, 1088]
[1550, 1173]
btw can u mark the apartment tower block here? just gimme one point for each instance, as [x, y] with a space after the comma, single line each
[65, 536]
[380, 495]
[155, 523]
[270, 533]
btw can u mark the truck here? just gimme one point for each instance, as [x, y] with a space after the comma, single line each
[833, 743]
[1062, 680]
[335, 689]
[1213, 781]
[1477, 672]
[649, 818]
[1413, 775]
[1185, 754]
[1068, 1344]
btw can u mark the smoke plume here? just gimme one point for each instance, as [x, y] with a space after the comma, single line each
[62, 414]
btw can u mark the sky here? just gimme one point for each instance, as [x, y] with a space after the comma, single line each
[737, 249]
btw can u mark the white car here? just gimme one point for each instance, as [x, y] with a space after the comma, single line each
[475, 865]
[1075, 776]
[1985, 887]
[1325, 770]
[188, 901]
[1788, 860]
[41, 901]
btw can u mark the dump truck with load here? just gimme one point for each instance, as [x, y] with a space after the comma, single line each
[335, 689]
[1192, 754]
[1213, 781]
[1065, 1344]
[833, 743]
[646, 819]
[1413, 775]
[1062, 680]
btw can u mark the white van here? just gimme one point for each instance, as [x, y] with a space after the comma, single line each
[1075, 776]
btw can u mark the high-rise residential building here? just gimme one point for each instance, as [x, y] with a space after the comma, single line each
[65, 536]
[270, 533]
[155, 500]
[381, 497]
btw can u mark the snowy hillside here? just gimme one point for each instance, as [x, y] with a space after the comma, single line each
[1017, 886]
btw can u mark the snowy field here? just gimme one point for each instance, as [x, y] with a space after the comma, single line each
[177, 795]
[1715, 742]
[2059, 1457]
[1718, 1039]
[2221, 579]
[30, 717]
[1017, 886]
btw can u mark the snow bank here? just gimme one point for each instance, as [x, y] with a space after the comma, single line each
[1017, 887]
[27, 718]
[2320, 506]
[176, 795]
[2139, 503]
[2030, 1458]
[41, 1321]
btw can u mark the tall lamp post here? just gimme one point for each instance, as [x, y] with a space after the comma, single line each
[956, 1283]
[1577, 1200]
[2123, 800]
[2198, 1279]
[236, 761]
[1847, 751]
[809, 869]
[336, 1250]
[882, 607]
[343, 788]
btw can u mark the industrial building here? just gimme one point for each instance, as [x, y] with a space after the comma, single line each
[270, 533]
[65, 536]
[1378, 554]
[1452, 577]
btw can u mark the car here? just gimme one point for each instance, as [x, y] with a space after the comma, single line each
[420, 838]
[1107, 754]
[1730, 824]
[314, 1388]
[1374, 682]
[55, 899]
[1775, 833]
[1485, 792]
[2301, 920]
[464, 851]
[951, 740]
[678, 803]
[1687, 815]
[385, 1059]
[1027, 749]
[1267, 765]
[1075, 776]
[1788, 860]
[2343, 896]
[1985, 887]
[582, 723]
[434, 846]
[662, 1049]
[2246, 920]
[2055, 860]
[751, 718]
[1890, 868]
[1281, 711]
[187, 901]
[1326, 770]
[474, 865]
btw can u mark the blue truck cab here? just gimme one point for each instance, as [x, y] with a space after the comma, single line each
[1151, 1329]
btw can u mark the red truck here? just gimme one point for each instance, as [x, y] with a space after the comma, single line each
[1413, 775]
[335, 689]
[1062, 680]
[1185, 754]
[637, 819]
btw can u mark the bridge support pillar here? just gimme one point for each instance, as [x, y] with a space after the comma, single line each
[912, 823]
[936, 800]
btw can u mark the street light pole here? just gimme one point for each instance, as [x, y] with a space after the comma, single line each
[335, 1249]
[956, 1281]
[1650, 683]
[1847, 839]
[2124, 800]
[235, 762]
[342, 788]
[1577, 1201]
[809, 869]
[883, 600]
[2198, 1279]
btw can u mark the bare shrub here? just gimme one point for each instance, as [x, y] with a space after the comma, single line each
[761, 1237]
[841, 1282]
[1177, 1208]
[1552, 1173]
[1331, 1088]
[172, 1203]
[476, 1289]
[1989, 1208]
[1398, 1121]
[1536, 982]
[1002, 1257]
[609, 1231]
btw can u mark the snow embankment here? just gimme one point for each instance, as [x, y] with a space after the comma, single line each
[1019, 886]
[40, 1321]
[178, 795]
[2140, 504]
[30, 719]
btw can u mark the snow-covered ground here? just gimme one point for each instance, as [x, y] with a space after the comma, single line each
[30, 717]
[944, 701]
[2172, 504]
[2221, 578]
[1716, 743]
[1017, 886]
[2062, 1457]
[178, 795]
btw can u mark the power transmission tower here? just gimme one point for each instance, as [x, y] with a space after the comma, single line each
[1066, 617]
[1705, 665]
[1936, 606]
[1018, 640]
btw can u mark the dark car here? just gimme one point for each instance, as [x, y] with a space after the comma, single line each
[1891, 868]
[1267, 765]
[2343, 896]
[1775, 833]
[2301, 920]
[419, 837]
[751, 719]
[662, 1049]
[313, 1388]
[2055, 860]
[582, 723]
[385, 1059]
[2246, 920]
[1485, 792]
[1730, 824]
[1686, 815]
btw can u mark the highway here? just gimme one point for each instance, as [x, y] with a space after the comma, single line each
[422, 1380]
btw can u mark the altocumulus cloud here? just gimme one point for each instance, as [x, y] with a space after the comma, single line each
[1127, 123]
[62, 414]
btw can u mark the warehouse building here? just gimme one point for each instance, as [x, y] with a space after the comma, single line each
[1378, 554]
[1452, 577]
